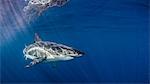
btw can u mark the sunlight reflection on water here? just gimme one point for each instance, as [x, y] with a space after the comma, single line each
[12, 20]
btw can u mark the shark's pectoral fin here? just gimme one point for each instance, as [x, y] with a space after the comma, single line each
[35, 61]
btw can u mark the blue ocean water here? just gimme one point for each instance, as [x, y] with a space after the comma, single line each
[113, 34]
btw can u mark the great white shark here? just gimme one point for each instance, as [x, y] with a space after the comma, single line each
[46, 51]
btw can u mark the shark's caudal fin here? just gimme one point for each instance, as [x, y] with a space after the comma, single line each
[37, 38]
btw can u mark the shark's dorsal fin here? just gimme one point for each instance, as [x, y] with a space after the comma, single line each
[37, 38]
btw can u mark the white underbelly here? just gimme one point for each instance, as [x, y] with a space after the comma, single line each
[59, 58]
